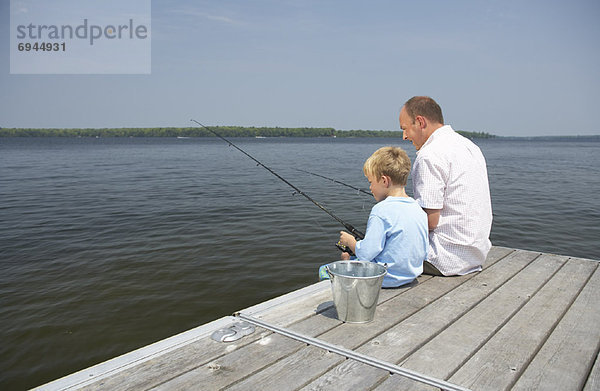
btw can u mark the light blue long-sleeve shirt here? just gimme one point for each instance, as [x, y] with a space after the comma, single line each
[397, 235]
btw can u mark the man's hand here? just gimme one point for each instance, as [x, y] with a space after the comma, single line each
[433, 218]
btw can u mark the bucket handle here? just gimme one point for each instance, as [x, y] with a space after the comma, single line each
[330, 274]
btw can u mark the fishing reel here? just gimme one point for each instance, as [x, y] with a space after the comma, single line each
[343, 248]
[354, 232]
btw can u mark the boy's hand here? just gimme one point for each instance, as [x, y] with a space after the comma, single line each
[348, 240]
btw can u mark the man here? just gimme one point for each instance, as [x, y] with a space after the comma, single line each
[450, 183]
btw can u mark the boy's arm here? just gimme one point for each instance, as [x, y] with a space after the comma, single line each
[374, 242]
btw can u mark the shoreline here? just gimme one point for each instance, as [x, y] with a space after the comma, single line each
[252, 132]
[226, 131]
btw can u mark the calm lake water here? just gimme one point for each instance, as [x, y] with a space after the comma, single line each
[108, 245]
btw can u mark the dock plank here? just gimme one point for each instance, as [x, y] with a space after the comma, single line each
[279, 376]
[337, 378]
[576, 339]
[499, 363]
[593, 380]
[291, 312]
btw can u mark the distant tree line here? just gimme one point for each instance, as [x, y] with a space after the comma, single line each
[398, 133]
[475, 134]
[225, 131]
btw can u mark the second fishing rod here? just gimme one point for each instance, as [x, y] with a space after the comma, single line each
[356, 233]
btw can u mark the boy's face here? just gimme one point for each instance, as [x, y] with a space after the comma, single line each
[379, 186]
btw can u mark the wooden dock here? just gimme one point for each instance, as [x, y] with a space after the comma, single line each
[528, 321]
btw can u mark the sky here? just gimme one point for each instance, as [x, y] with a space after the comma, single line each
[509, 67]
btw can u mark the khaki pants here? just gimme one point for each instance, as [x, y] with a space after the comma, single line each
[431, 270]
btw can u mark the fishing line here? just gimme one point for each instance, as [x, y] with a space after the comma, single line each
[349, 227]
[316, 224]
[358, 190]
[336, 181]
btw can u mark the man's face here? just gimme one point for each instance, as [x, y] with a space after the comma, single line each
[411, 130]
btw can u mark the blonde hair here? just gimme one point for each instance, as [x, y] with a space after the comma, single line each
[389, 161]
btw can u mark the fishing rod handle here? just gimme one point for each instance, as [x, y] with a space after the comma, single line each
[343, 248]
[356, 233]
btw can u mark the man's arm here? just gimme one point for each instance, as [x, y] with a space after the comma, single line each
[433, 218]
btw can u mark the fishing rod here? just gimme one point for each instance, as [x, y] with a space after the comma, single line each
[357, 234]
[336, 181]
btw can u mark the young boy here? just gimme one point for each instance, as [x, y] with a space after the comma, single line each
[397, 233]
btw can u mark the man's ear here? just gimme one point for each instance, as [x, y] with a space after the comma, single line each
[422, 121]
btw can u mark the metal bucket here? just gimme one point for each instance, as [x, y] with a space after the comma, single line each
[355, 286]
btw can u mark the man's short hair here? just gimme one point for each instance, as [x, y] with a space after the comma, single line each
[390, 161]
[425, 107]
